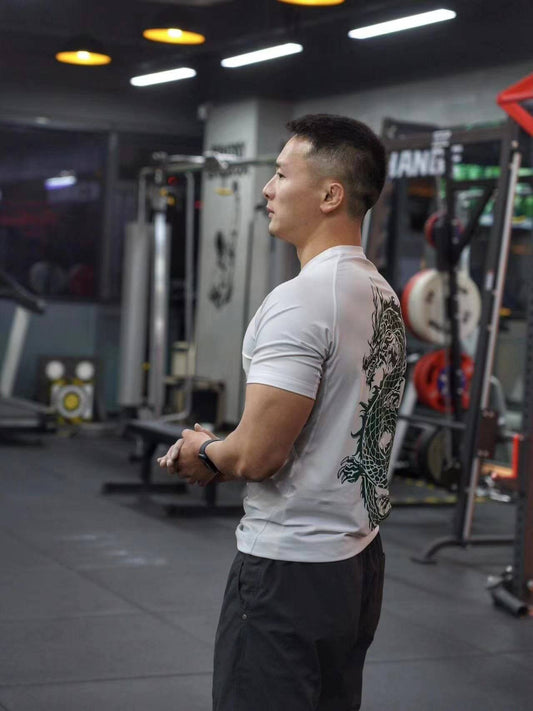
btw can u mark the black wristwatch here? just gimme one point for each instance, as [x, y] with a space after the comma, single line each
[205, 459]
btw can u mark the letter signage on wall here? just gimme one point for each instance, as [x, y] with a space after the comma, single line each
[416, 163]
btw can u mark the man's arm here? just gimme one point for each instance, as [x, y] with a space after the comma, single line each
[272, 420]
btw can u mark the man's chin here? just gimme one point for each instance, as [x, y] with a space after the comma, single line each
[274, 231]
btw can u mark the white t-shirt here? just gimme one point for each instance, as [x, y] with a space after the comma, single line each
[335, 334]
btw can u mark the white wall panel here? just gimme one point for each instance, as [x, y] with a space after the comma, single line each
[250, 128]
[446, 101]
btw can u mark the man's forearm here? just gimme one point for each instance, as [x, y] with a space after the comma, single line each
[224, 457]
[237, 459]
[222, 461]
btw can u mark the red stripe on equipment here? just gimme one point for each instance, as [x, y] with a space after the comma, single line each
[517, 439]
[509, 100]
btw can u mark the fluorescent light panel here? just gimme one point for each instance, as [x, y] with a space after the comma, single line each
[262, 55]
[403, 23]
[64, 180]
[162, 77]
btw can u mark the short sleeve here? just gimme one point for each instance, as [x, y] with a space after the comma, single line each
[291, 345]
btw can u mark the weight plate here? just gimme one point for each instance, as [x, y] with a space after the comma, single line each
[424, 310]
[431, 378]
[432, 456]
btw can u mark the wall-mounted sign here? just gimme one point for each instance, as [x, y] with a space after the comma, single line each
[417, 163]
[237, 149]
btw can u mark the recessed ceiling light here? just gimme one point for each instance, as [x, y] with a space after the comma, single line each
[262, 55]
[403, 23]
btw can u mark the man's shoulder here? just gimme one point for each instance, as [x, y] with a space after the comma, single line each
[308, 289]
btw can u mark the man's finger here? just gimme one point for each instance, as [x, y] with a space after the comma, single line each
[174, 451]
[199, 428]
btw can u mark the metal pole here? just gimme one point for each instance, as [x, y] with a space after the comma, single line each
[141, 195]
[494, 286]
[134, 313]
[246, 302]
[160, 295]
[189, 286]
[13, 353]
[522, 582]
[448, 258]
[189, 299]
[111, 174]
[134, 302]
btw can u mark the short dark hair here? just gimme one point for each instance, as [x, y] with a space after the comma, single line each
[352, 152]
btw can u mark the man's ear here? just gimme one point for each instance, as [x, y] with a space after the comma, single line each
[333, 197]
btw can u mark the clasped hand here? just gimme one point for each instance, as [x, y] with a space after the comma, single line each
[182, 457]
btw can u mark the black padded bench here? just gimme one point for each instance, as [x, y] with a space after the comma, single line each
[153, 433]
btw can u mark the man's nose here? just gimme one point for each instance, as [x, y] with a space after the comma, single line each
[267, 190]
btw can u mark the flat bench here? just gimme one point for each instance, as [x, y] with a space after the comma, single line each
[153, 433]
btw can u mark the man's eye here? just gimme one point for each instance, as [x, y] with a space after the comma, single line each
[280, 175]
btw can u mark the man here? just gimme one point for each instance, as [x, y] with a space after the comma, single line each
[325, 362]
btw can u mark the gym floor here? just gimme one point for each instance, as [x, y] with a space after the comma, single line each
[106, 604]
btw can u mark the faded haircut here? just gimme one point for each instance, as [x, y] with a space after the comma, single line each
[349, 151]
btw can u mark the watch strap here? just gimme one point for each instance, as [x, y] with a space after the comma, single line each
[202, 454]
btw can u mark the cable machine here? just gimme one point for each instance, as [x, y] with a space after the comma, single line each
[146, 281]
[153, 189]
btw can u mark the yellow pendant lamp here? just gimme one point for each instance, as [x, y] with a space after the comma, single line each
[176, 26]
[84, 51]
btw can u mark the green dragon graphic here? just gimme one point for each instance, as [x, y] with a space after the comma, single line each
[384, 367]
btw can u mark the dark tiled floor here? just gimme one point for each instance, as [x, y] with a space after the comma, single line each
[108, 605]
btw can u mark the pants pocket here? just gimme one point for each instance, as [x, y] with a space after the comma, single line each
[249, 580]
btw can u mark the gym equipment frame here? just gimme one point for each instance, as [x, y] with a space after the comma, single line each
[471, 442]
[440, 146]
[515, 591]
[153, 188]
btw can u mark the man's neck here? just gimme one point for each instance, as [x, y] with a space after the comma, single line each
[320, 242]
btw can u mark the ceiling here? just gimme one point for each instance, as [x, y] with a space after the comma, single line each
[486, 33]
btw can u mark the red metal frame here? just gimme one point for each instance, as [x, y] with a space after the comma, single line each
[510, 101]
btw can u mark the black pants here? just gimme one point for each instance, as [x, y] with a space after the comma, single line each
[294, 636]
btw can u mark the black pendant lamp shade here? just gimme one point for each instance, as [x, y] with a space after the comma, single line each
[85, 51]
